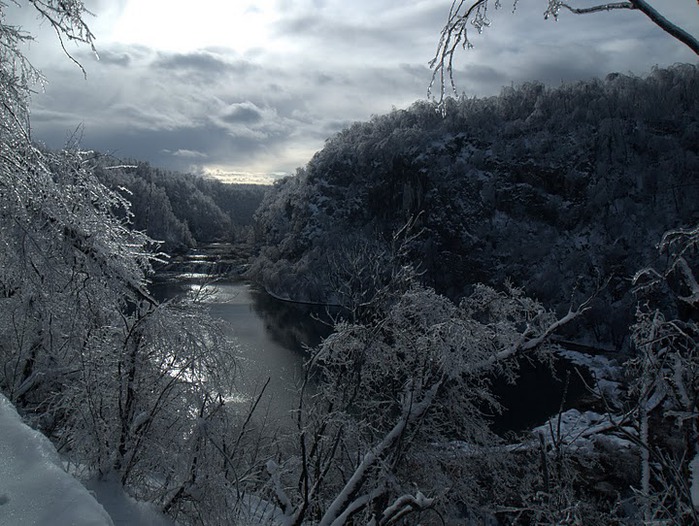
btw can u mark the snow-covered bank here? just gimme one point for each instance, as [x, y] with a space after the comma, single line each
[607, 372]
[124, 510]
[34, 488]
[36, 491]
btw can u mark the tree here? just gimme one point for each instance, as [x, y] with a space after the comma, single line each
[665, 385]
[465, 13]
[126, 387]
[67, 260]
[390, 387]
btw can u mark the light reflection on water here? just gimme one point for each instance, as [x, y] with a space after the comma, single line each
[270, 337]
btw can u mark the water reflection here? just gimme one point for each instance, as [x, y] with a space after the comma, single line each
[271, 337]
[294, 326]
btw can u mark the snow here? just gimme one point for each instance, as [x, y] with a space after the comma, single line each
[34, 489]
[607, 372]
[259, 512]
[124, 510]
[694, 480]
[581, 430]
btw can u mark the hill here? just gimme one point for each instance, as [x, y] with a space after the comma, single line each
[554, 189]
[181, 210]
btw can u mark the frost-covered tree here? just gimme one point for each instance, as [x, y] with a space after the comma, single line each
[536, 185]
[665, 383]
[465, 14]
[126, 387]
[67, 259]
[395, 388]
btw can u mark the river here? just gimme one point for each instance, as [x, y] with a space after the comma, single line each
[271, 337]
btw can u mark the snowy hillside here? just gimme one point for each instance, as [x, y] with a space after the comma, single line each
[552, 188]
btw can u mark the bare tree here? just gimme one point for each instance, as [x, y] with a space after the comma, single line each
[465, 13]
[413, 375]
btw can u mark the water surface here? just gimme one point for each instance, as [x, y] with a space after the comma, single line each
[271, 338]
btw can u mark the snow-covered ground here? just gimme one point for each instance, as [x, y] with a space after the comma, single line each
[607, 372]
[36, 491]
[694, 480]
[580, 429]
[34, 488]
[124, 510]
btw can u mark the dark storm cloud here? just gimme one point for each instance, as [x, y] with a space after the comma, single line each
[337, 34]
[372, 23]
[214, 61]
[331, 127]
[482, 80]
[201, 62]
[484, 74]
[113, 58]
[300, 25]
[181, 149]
[523, 47]
[120, 55]
[580, 64]
[323, 78]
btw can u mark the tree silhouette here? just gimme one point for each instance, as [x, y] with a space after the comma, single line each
[465, 13]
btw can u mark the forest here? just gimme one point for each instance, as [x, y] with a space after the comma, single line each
[180, 210]
[555, 189]
[457, 245]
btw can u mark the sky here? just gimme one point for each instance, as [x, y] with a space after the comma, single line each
[248, 91]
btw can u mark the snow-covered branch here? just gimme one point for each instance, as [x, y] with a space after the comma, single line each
[402, 506]
[463, 14]
[553, 5]
[663, 23]
[526, 341]
[641, 5]
[345, 501]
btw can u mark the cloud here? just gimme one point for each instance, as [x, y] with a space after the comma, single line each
[113, 58]
[327, 63]
[200, 61]
[187, 154]
[244, 112]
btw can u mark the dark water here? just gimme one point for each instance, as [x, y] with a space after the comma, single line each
[538, 393]
[272, 337]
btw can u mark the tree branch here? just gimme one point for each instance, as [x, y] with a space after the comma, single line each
[344, 500]
[454, 34]
[598, 8]
[641, 5]
[663, 23]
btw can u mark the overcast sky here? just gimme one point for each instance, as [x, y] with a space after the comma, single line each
[251, 89]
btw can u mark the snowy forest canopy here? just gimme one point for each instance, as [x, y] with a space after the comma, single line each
[180, 210]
